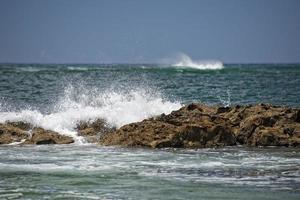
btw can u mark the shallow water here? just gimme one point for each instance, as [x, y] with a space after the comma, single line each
[93, 172]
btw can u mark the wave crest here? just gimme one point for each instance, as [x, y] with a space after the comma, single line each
[184, 61]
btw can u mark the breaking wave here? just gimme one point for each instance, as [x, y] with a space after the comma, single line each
[117, 108]
[184, 61]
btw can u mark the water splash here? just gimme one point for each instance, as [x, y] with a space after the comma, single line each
[225, 102]
[117, 108]
[184, 61]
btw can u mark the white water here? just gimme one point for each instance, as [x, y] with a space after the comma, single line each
[117, 108]
[184, 61]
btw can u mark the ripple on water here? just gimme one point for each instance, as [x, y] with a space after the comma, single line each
[92, 171]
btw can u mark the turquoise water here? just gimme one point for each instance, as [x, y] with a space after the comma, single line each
[57, 97]
[92, 172]
[40, 85]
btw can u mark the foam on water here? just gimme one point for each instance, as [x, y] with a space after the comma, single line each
[184, 61]
[32, 69]
[117, 108]
[76, 68]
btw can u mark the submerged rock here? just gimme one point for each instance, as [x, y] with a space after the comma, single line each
[24, 133]
[201, 126]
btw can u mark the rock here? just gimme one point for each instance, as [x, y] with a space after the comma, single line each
[201, 126]
[288, 131]
[10, 134]
[297, 116]
[223, 109]
[192, 126]
[21, 125]
[92, 131]
[41, 136]
[192, 106]
[24, 133]
[270, 136]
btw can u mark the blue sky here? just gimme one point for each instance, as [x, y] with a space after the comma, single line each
[147, 31]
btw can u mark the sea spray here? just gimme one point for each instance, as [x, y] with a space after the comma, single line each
[116, 107]
[182, 60]
[226, 101]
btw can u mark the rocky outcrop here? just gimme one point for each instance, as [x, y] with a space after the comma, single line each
[266, 125]
[42, 136]
[201, 126]
[10, 133]
[192, 126]
[24, 133]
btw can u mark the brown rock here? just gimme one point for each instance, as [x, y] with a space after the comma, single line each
[27, 134]
[192, 126]
[41, 136]
[297, 116]
[92, 131]
[201, 126]
[21, 125]
[10, 134]
[270, 136]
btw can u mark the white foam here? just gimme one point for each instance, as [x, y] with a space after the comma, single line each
[30, 69]
[116, 108]
[16, 143]
[76, 68]
[184, 61]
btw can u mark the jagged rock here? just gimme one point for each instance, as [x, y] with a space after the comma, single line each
[92, 131]
[297, 116]
[21, 125]
[25, 133]
[201, 126]
[10, 134]
[41, 136]
[192, 126]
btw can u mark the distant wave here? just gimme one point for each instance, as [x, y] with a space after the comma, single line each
[184, 61]
[30, 69]
[71, 68]
[82, 104]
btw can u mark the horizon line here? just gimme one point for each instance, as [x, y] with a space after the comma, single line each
[139, 63]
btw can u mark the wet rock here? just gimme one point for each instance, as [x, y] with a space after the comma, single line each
[192, 106]
[192, 126]
[41, 136]
[24, 133]
[10, 134]
[223, 109]
[297, 116]
[288, 131]
[93, 130]
[269, 136]
[202, 126]
[21, 125]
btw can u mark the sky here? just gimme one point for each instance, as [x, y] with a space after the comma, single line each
[149, 31]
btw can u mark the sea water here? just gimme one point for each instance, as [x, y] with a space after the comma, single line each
[58, 96]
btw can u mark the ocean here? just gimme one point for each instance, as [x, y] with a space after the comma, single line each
[58, 96]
